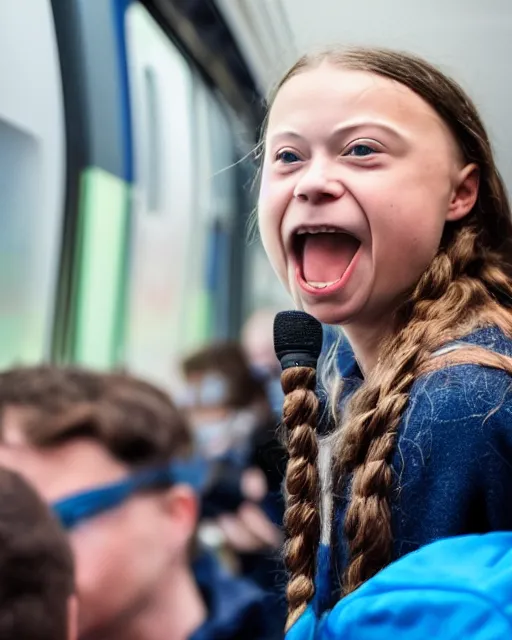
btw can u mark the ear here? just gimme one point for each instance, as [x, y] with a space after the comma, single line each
[73, 618]
[465, 193]
[182, 508]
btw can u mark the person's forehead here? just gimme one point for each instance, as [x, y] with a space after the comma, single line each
[56, 472]
[340, 95]
[14, 419]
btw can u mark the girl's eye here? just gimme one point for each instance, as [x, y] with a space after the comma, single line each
[360, 150]
[287, 157]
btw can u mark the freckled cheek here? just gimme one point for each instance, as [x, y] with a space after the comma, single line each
[405, 238]
[274, 196]
[271, 239]
[264, 185]
[271, 209]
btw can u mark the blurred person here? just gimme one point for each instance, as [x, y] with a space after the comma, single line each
[225, 402]
[233, 424]
[37, 600]
[231, 416]
[258, 343]
[111, 454]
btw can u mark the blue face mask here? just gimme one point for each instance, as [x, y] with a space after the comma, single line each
[213, 438]
[271, 378]
[85, 505]
[275, 395]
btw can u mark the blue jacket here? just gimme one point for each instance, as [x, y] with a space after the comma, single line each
[238, 609]
[453, 589]
[452, 463]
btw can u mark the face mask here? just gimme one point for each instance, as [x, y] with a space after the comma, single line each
[243, 424]
[231, 433]
[275, 395]
[271, 378]
[213, 438]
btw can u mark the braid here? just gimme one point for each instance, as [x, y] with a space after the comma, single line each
[302, 518]
[452, 296]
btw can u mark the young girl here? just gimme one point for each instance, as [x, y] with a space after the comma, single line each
[382, 211]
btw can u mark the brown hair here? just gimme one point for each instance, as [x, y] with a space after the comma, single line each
[137, 422]
[468, 284]
[302, 518]
[229, 360]
[36, 565]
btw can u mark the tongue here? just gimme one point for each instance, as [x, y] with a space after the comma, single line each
[326, 256]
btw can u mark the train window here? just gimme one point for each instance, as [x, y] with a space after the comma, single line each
[160, 83]
[196, 303]
[183, 258]
[32, 175]
[223, 211]
[223, 162]
[154, 179]
[209, 295]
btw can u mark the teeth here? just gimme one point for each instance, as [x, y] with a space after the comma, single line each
[322, 285]
[303, 230]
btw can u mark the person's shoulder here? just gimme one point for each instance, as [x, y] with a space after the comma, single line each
[465, 391]
[238, 608]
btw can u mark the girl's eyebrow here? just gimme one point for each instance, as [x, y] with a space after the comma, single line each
[352, 128]
[275, 137]
[344, 129]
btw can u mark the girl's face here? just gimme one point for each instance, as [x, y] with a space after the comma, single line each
[359, 177]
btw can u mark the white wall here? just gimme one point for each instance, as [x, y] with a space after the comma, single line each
[469, 39]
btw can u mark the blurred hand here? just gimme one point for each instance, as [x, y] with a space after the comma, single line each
[253, 485]
[249, 530]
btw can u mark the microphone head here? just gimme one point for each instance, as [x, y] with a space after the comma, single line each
[298, 339]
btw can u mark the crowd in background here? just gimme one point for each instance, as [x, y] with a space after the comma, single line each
[172, 506]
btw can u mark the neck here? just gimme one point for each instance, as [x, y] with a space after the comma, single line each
[174, 612]
[366, 340]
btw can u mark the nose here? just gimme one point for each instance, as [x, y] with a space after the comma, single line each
[318, 185]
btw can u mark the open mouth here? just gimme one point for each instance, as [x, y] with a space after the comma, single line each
[323, 255]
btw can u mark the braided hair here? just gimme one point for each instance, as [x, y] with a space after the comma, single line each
[467, 285]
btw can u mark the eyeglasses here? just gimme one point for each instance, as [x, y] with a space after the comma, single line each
[212, 390]
[85, 505]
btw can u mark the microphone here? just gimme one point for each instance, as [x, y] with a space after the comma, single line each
[297, 339]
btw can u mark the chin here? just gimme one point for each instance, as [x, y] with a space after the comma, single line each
[331, 312]
[93, 619]
[340, 307]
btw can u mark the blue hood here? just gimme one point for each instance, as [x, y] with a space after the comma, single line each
[456, 588]
[237, 608]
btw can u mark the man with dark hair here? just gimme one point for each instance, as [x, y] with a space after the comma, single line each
[112, 455]
[37, 599]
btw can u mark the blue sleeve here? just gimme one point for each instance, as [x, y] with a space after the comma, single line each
[453, 461]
